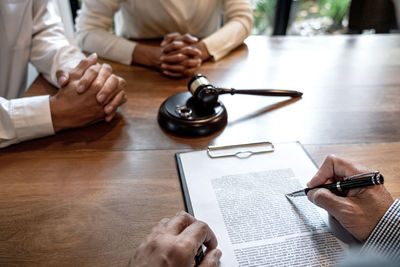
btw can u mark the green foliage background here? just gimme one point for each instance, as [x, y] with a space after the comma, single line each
[264, 12]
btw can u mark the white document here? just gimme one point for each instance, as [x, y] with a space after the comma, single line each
[243, 201]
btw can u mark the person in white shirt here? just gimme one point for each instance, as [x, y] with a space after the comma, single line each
[181, 23]
[31, 31]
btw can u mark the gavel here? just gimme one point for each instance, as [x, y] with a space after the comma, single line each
[207, 94]
[198, 112]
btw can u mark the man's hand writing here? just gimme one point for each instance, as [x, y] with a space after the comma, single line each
[361, 209]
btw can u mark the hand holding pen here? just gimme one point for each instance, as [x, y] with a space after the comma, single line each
[341, 187]
[361, 209]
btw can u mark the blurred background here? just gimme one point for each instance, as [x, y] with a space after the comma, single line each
[316, 17]
[307, 17]
[320, 17]
[291, 17]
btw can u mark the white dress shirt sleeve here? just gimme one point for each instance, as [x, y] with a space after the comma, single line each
[51, 51]
[24, 119]
[94, 26]
[238, 21]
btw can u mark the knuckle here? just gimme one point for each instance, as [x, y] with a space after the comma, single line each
[93, 69]
[180, 249]
[122, 82]
[203, 227]
[114, 78]
[85, 61]
[154, 243]
[186, 216]
[163, 220]
[107, 67]
[331, 157]
[97, 85]
[186, 244]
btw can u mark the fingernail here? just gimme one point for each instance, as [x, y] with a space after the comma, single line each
[162, 43]
[63, 79]
[101, 98]
[109, 109]
[218, 254]
[93, 55]
[80, 89]
[108, 118]
[162, 58]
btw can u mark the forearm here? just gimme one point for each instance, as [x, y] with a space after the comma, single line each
[238, 21]
[50, 49]
[24, 119]
[94, 34]
[385, 238]
[224, 40]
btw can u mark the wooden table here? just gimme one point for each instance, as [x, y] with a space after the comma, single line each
[87, 197]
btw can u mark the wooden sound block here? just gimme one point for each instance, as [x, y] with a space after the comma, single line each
[182, 116]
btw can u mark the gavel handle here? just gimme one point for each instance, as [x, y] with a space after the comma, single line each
[263, 92]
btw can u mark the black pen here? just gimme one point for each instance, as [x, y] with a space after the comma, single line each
[351, 182]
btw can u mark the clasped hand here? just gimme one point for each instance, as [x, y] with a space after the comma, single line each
[177, 55]
[89, 93]
[180, 55]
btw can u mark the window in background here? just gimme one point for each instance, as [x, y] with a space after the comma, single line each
[264, 15]
[308, 17]
[316, 17]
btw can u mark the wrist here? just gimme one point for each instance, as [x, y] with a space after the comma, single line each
[55, 114]
[147, 55]
[205, 55]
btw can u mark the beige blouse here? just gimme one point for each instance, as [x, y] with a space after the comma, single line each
[148, 19]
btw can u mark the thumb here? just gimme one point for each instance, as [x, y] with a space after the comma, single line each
[211, 259]
[330, 202]
[62, 77]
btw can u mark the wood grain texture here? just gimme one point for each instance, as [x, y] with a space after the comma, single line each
[87, 197]
[350, 84]
[93, 208]
[82, 209]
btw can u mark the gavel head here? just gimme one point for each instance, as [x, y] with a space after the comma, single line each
[203, 91]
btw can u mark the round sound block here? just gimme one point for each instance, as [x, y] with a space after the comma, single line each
[181, 115]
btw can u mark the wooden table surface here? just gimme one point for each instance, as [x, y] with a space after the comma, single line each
[87, 197]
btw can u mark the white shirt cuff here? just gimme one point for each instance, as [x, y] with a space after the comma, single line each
[32, 117]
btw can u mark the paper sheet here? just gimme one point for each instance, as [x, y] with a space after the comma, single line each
[243, 201]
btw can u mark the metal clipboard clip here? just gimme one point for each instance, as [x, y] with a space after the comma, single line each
[251, 149]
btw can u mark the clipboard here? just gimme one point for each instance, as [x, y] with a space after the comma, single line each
[196, 166]
[241, 151]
